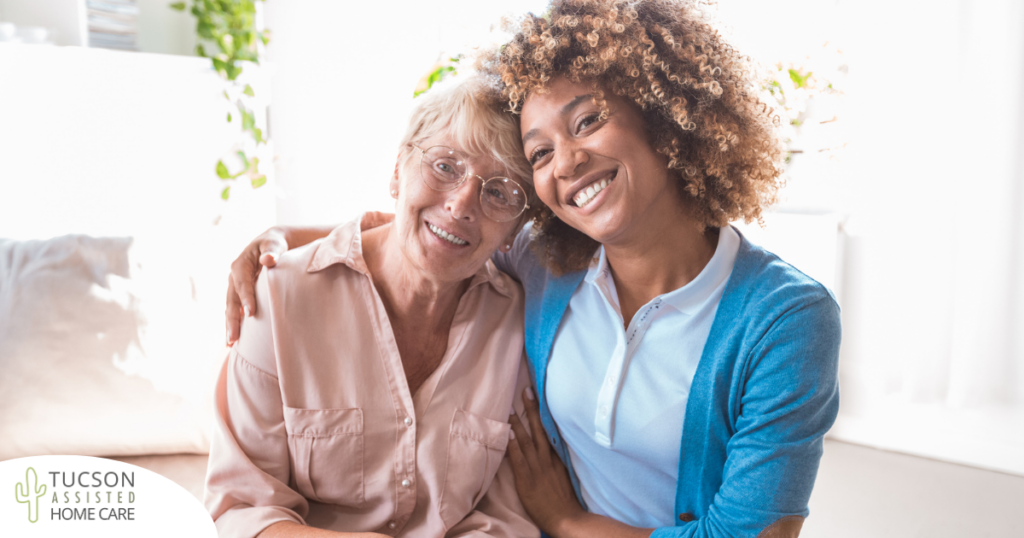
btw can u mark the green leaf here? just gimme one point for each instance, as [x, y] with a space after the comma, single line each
[798, 79]
[200, 50]
[245, 160]
[178, 6]
[257, 134]
[248, 120]
[248, 91]
[229, 117]
[222, 170]
[225, 193]
[259, 181]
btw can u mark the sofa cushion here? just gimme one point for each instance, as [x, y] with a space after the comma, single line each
[103, 351]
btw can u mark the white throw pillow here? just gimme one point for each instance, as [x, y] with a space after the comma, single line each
[104, 350]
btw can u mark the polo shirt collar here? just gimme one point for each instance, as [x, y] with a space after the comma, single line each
[690, 297]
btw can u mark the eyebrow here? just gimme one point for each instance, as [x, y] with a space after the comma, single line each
[565, 110]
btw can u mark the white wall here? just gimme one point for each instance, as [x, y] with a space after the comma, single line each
[64, 18]
[344, 78]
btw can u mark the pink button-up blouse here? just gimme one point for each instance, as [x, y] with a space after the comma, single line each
[316, 424]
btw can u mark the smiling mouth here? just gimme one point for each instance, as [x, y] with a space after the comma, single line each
[585, 196]
[451, 238]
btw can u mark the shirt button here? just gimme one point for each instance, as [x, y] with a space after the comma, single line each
[406, 483]
[392, 524]
[408, 421]
[686, 517]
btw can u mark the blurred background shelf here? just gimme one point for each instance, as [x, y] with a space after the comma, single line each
[159, 28]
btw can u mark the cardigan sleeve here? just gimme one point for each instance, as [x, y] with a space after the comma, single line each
[788, 402]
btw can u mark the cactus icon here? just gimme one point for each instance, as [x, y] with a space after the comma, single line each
[23, 494]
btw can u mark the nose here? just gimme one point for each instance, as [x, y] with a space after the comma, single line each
[463, 203]
[568, 158]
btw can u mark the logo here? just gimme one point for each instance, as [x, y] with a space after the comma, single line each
[24, 493]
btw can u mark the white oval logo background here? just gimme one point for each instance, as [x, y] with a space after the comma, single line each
[131, 501]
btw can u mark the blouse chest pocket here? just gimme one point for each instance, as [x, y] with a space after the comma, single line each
[476, 446]
[326, 448]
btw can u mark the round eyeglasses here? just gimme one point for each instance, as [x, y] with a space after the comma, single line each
[444, 169]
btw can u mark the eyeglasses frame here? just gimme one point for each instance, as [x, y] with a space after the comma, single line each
[465, 176]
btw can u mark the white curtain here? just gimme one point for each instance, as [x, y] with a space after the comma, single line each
[933, 354]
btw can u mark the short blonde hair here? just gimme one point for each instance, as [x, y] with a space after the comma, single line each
[470, 111]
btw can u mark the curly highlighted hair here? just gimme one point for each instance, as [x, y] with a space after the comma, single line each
[699, 97]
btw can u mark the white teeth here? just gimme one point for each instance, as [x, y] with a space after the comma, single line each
[586, 195]
[446, 236]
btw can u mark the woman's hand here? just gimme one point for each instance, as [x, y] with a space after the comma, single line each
[545, 490]
[542, 481]
[261, 252]
[241, 301]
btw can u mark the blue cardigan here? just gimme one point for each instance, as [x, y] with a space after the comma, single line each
[764, 394]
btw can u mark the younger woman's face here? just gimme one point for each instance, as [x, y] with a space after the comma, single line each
[600, 176]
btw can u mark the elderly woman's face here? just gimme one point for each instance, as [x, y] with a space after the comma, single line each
[445, 233]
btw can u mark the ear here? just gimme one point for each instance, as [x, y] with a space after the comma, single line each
[393, 184]
[510, 239]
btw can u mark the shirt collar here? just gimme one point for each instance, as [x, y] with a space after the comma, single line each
[345, 245]
[690, 297]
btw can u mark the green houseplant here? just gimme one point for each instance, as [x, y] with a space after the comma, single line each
[229, 37]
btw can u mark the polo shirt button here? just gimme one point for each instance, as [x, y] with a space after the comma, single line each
[406, 483]
[686, 517]
[392, 524]
[408, 421]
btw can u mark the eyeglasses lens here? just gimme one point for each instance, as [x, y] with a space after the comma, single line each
[444, 169]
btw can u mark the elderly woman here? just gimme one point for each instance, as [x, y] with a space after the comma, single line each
[370, 391]
[684, 377]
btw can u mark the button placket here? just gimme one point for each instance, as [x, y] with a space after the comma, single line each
[608, 395]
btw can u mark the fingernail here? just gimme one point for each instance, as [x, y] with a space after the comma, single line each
[511, 411]
[529, 393]
[246, 309]
[511, 434]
